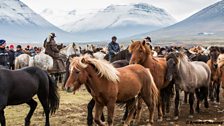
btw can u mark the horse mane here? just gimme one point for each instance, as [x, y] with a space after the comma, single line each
[137, 45]
[104, 68]
[177, 55]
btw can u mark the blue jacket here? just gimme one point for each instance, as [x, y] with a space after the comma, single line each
[113, 48]
[18, 52]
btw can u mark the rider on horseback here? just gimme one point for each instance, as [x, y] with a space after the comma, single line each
[52, 50]
[113, 48]
[4, 55]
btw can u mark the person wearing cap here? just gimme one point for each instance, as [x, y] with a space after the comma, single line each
[113, 48]
[11, 57]
[4, 55]
[19, 50]
[52, 50]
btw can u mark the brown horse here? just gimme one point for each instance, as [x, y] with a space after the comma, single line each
[142, 54]
[107, 86]
[220, 62]
[214, 87]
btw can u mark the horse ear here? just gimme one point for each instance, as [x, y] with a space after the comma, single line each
[83, 60]
[132, 41]
[143, 42]
[73, 45]
[70, 59]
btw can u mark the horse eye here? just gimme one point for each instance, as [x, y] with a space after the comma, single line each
[77, 72]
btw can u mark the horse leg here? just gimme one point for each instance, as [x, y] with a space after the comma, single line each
[185, 97]
[131, 108]
[191, 102]
[125, 113]
[98, 113]
[139, 110]
[205, 95]
[177, 99]
[217, 91]
[160, 112]
[3, 104]
[211, 91]
[44, 103]
[60, 78]
[151, 105]
[90, 107]
[110, 110]
[198, 100]
[33, 105]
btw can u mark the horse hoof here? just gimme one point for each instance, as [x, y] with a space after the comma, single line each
[176, 118]
[149, 124]
[190, 116]
[160, 120]
[168, 119]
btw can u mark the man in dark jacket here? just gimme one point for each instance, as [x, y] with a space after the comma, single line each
[11, 57]
[4, 55]
[19, 50]
[113, 48]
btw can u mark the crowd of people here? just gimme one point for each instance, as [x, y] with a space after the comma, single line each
[9, 53]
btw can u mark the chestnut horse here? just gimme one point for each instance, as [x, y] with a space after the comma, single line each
[220, 62]
[142, 54]
[108, 87]
[214, 87]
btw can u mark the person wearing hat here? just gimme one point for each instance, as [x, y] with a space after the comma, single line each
[113, 48]
[11, 57]
[4, 55]
[19, 50]
[52, 50]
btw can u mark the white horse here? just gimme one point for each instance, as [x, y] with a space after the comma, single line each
[99, 55]
[43, 61]
[22, 61]
[70, 50]
[40, 60]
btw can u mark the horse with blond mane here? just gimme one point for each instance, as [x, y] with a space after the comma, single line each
[108, 87]
[142, 54]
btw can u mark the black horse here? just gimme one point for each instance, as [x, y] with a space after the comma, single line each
[19, 86]
[122, 55]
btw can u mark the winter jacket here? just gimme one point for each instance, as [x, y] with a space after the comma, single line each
[4, 58]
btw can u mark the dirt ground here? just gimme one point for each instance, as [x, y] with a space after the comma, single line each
[73, 112]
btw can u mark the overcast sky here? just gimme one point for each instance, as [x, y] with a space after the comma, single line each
[179, 9]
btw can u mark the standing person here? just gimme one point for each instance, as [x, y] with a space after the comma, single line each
[19, 50]
[4, 55]
[113, 48]
[11, 57]
[52, 50]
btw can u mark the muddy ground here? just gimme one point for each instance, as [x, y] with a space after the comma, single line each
[73, 112]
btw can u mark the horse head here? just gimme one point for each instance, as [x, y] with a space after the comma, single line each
[78, 75]
[140, 51]
[172, 63]
[214, 53]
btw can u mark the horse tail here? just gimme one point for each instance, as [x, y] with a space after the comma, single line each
[53, 95]
[154, 92]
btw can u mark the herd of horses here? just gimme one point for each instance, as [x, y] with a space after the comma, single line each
[138, 74]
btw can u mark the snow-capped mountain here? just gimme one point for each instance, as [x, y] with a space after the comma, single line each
[207, 24]
[59, 17]
[120, 20]
[20, 23]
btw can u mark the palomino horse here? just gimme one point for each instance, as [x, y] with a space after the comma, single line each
[220, 62]
[190, 77]
[19, 86]
[108, 86]
[215, 74]
[142, 54]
